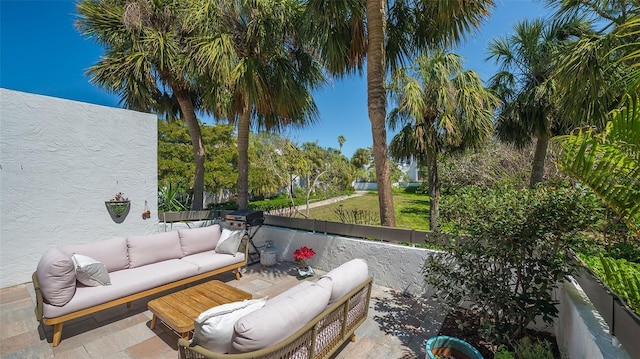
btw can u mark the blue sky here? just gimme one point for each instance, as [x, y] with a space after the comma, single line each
[41, 52]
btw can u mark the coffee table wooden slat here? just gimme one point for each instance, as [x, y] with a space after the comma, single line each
[179, 310]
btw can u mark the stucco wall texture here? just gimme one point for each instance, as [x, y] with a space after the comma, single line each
[60, 160]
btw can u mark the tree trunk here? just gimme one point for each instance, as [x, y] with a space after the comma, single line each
[377, 106]
[244, 123]
[189, 113]
[537, 171]
[434, 191]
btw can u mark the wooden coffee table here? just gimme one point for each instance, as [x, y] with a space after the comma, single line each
[179, 310]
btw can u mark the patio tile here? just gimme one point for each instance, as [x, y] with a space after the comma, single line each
[19, 341]
[397, 326]
[154, 347]
[75, 353]
[118, 340]
[14, 293]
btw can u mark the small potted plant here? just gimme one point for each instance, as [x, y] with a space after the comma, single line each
[301, 255]
[118, 207]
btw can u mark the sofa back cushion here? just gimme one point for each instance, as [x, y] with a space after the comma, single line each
[279, 319]
[153, 248]
[57, 277]
[196, 240]
[213, 329]
[346, 277]
[111, 252]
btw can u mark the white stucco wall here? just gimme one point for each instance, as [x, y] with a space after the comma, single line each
[580, 330]
[60, 160]
[393, 266]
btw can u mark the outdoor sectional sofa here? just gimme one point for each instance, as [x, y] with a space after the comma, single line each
[308, 321]
[137, 267]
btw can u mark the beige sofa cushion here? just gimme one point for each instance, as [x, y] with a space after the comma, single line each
[279, 319]
[196, 240]
[153, 248]
[346, 277]
[57, 277]
[123, 283]
[111, 252]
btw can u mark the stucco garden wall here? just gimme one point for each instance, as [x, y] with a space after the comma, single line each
[60, 160]
[393, 266]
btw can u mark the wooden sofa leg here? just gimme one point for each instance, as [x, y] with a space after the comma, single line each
[57, 334]
[353, 337]
[128, 305]
[238, 275]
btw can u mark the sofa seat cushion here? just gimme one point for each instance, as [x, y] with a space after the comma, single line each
[281, 318]
[208, 261]
[124, 283]
[56, 275]
[196, 240]
[346, 277]
[153, 248]
[111, 252]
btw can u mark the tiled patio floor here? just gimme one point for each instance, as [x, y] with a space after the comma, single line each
[397, 326]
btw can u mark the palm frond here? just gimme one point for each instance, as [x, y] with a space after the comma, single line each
[608, 162]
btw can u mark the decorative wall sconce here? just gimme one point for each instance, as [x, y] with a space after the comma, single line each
[118, 207]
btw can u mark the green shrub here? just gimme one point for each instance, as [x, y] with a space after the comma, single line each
[503, 353]
[173, 198]
[495, 164]
[514, 255]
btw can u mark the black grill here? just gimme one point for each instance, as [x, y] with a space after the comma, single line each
[244, 218]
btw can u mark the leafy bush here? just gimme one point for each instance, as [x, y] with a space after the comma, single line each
[356, 216]
[493, 165]
[525, 348]
[512, 256]
[173, 198]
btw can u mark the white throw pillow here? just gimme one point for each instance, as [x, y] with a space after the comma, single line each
[89, 271]
[229, 242]
[213, 329]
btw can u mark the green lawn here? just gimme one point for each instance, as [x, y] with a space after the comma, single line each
[411, 210]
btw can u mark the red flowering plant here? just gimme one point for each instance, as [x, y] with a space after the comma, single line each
[302, 254]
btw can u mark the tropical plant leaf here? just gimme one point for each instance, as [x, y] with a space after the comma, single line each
[608, 162]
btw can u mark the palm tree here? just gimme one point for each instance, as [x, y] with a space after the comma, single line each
[440, 107]
[608, 160]
[146, 63]
[529, 96]
[260, 71]
[589, 72]
[386, 34]
[341, 141]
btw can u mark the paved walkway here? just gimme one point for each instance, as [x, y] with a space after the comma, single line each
[396, 328]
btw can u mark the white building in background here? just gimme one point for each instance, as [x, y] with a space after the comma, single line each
[411, 171]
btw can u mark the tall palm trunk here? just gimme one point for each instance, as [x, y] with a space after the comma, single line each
[434, 191]
[244, 123]
[189, 113]
[537, 170]
[377, 106]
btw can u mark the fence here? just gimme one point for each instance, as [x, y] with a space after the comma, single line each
[386, 234]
